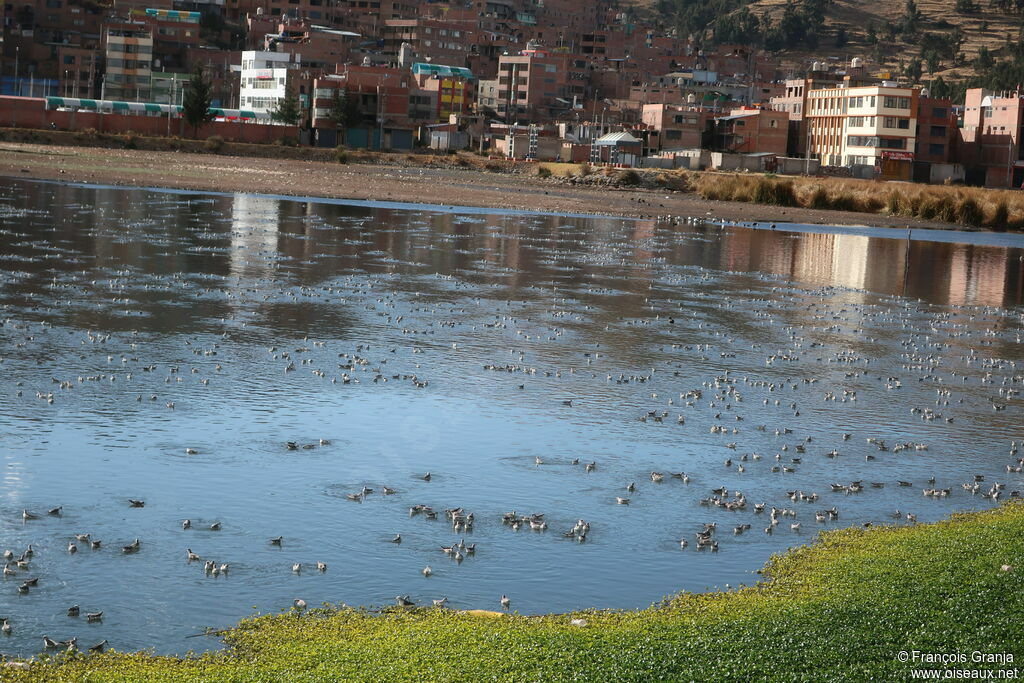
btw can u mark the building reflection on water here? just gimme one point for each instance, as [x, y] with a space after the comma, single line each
[246, 237]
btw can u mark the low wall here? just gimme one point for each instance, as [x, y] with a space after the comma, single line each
[29, 112]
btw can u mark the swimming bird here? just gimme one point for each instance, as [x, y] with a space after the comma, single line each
[73, 611]
[25, 514]
[397, 538]
[72, 548]
[95, 544]
[136, 503]
[441, 602]
[131, 547]
[404, 601]
[186, 524]
[276, 541]
[299, 603]
[505, 602]
[5, 627]
[98, 647]
[427, 571]
[297, 567]
[215, 526]
[91, 617]
[82, 537]
[426, 477]
[621, 501]
[192, 557]
[55, 511]
[321, 566]
[50, 644]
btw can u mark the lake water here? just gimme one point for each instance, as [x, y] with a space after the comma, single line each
[166, 346]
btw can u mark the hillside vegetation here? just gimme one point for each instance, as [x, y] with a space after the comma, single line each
[949, 44]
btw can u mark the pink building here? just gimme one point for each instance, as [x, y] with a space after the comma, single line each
[990, 138]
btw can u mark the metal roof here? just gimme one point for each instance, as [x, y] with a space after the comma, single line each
[615, 139]
[441, 70]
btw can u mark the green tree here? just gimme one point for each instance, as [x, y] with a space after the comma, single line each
[345, 111]
[287, 109]
[196, 103]
[840, 37]
[872, 34]
[914, 70]
[984, 61]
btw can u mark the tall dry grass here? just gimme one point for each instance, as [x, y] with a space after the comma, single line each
[967, 206]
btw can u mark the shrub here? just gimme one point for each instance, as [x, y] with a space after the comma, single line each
[1000, 217]
[628, 177]
[493, 167]
[585, 170]
[893, 203]
[938, 208]
[214, 143]
[774, 192]
[819, 199]
[845, 201]
[543, 172]
[968, 212]
[131, 140]
[341, 155]
[90, 133]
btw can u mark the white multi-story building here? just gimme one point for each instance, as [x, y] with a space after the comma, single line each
[264, 79]
[863, 125]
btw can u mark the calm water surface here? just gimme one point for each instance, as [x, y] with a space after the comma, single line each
[137, 324]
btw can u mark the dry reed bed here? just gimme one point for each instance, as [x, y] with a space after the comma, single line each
[969, 206]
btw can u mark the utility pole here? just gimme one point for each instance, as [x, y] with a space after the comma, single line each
[170, 107]
[807, 151]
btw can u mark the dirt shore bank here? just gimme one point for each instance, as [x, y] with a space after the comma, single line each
[392, 180]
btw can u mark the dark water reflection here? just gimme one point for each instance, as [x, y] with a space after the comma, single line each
[449, 342]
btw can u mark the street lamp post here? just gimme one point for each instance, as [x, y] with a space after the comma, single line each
[17, 57]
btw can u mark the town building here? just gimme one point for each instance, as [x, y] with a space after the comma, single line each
[128, 51]
[864, 126]
[990, 143]
[265, 78]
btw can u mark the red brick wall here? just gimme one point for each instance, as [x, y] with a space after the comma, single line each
[26, 112]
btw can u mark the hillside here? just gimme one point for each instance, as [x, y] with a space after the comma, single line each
[941, 38]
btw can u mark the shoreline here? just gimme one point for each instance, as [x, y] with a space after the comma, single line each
[871, 582]
[974, 237]
[401, 182]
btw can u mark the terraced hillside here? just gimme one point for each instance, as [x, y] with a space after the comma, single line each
[945, 35]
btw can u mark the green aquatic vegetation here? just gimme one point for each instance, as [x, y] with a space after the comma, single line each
[843, 607]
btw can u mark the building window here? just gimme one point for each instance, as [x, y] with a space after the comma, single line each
[936, 149]
[939, 112]
[938, 131]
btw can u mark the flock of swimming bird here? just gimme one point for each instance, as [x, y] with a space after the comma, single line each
[691, 388]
